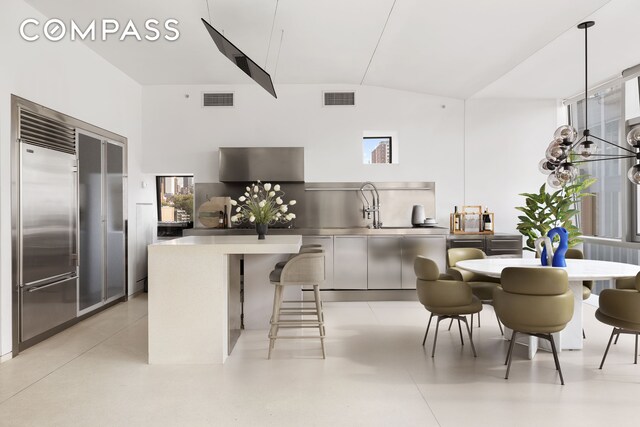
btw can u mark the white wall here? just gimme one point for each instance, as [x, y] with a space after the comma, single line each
[71, 78]
[180, 136]
[504, 141]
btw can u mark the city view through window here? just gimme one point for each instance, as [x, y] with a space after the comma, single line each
[376, 150]
[175, 198]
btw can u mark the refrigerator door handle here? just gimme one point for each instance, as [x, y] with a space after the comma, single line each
[60, 278]
[74, 257]
[37, 288]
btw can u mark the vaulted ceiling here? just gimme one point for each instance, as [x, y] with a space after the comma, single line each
[454, 48]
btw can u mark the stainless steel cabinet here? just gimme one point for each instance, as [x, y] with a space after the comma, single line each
[384, 265]
[46, 306]
[466, 241]
[492, 244]
[102, 234]
[327, 244]
[504, 245]
[433, 247]
[350, 262]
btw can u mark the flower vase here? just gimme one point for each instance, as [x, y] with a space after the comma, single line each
[261, 229]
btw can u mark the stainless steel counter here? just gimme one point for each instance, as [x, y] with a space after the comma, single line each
[385, 231]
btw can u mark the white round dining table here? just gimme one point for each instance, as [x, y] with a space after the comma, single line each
[577, 270]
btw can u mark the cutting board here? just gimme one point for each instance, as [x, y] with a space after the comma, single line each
[209, 212]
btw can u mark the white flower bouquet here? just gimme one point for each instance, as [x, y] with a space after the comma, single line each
[262, 204]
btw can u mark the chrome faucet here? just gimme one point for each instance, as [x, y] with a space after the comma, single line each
[373, 207]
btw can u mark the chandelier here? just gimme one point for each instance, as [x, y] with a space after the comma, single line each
[567, 150]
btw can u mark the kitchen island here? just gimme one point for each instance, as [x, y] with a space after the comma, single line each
[189, 294]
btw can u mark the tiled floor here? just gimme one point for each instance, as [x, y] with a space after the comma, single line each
[376, 374]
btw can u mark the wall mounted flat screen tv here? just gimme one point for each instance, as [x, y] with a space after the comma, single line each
[241, 60]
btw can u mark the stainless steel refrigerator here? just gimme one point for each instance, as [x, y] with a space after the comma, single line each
[48, 238]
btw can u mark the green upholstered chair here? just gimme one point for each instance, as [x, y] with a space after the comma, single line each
[626, 283]
[446, 299]
[534, 301]
[620, 308]
[482, 286]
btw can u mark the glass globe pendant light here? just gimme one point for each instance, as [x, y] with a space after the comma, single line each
[567, 150]
[556, 151]
[566, 133]
[553, 182]
[546, 167]
[634, 174]
[566, 172]
[633, 137]
[586, 149]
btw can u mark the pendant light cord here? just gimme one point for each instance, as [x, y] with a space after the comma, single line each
[273, 24]
[586, 80]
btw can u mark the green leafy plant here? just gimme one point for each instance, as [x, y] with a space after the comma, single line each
[544, 211]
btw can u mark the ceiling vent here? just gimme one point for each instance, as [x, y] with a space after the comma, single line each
[217, 99]
[339, 98]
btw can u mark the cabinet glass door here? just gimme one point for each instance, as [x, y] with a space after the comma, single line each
[114, 189]
[91, 266]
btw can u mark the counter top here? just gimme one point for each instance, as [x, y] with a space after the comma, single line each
[234, 244]
[349, 231]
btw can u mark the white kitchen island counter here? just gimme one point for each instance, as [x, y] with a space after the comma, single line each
[188, 294]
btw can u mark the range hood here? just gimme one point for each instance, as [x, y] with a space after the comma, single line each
[277, 164]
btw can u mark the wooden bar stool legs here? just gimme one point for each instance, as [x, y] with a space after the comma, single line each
[305, 269]
[281, 318]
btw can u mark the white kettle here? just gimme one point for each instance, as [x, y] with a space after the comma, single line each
[417, 215]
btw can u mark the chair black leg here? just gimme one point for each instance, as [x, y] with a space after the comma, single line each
[499, 324]
[608, 345]
[450, 323]
[435, 338]
[616, 341]
[510, 354]
[635, 358]
[478, 314]
[460, 329]
[427, 331]
[555, 358]
[473, 347]
[583, 335]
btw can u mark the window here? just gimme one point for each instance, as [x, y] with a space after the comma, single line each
[601, 215]
[377, 150]
[175, 199]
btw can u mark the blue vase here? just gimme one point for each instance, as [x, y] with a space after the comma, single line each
[559, 254]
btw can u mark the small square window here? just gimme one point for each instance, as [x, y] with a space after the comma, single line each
[377, 150]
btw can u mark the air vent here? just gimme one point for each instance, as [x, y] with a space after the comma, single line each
[339, 98]
[45, 132]
[217, 99]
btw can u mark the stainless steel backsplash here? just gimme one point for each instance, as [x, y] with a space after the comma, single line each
[337, 204]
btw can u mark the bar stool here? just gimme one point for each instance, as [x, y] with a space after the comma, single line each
[312, 247]
[304, 269]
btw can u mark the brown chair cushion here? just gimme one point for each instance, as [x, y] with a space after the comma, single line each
[425, 268]
[474, 307]
[535, 280]
[460, 254]
[533, 313]
[622, 304]
[626, 283]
